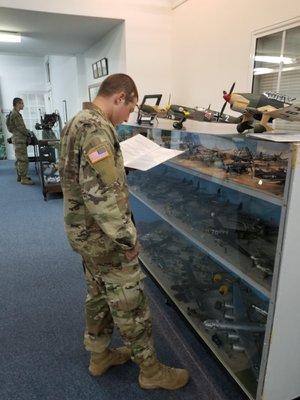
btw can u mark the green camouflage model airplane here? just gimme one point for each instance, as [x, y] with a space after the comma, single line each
[179, 113]
[262, 107]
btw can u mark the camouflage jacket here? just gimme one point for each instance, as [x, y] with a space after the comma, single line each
[16, 126]
[96, 209]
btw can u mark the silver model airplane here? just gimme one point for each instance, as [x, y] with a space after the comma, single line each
[216, 324]
[239, 330]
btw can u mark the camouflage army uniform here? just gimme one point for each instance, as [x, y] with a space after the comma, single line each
[99, 227]
[20, 138]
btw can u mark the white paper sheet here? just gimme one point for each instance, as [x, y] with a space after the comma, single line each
[143, 154]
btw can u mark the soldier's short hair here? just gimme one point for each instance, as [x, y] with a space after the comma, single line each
[16, 101]
[119, 83]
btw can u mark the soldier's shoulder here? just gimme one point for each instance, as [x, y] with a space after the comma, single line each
[88, 118]
[82, 121]
[14, 113]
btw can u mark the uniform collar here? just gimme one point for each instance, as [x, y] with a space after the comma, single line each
[91, 106]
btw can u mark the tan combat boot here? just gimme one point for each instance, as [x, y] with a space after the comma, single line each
[25, 180]
[101, 362]
[159, 376]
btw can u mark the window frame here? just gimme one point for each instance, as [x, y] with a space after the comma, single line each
[281, 27]
[266, 31]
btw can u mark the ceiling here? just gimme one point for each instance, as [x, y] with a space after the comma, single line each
[50, 33]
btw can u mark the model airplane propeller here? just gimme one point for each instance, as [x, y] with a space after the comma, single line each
[262, 107]
[226, 96]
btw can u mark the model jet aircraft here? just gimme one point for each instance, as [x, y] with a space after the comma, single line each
[262, 107]
[179, 113]
[216, 324]
[239, 330]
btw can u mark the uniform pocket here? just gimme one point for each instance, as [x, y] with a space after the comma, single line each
[126, 297]
[122, 272]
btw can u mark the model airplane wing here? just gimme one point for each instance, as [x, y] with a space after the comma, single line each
[247, 341]
[290, 113]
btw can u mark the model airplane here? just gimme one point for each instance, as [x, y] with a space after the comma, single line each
[239, 330]
[215, 324]
[179, 113]
[262, 107]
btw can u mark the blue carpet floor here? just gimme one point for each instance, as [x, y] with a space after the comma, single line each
[42, 316]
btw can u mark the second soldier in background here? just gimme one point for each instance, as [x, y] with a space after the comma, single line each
[20, 140]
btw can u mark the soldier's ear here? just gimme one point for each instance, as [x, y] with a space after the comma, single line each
[121, 97]
[117, 99]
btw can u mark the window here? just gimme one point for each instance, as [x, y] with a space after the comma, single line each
[277, 67]
[34, 107]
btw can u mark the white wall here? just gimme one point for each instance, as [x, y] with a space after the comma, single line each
[71, 75]
[82, 79]
[64, 85]
[148, 47]
[211, 44]
[19, 74]
[148, 34]
[112, 46]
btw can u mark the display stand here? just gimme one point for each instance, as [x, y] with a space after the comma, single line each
[46, 150]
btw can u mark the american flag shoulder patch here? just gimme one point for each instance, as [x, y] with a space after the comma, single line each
[97, 154]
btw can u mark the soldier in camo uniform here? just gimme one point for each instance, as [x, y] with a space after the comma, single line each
[99, 227]
[20, 139]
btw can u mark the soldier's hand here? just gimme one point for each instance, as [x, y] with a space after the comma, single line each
[131, 254]
[28, 140]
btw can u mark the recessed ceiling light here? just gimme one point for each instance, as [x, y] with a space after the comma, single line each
[10, 37]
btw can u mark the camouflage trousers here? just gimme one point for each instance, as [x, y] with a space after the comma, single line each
[115, 297]
[21, 163]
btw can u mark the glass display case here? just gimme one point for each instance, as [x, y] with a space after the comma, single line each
[46, 151]
[211, 224]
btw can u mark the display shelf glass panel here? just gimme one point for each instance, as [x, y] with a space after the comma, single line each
[260, 166]
[211, 226]
[237, 230]
[255, 167]
[228, 314]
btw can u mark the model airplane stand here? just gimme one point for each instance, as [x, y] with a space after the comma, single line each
[147, 119]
